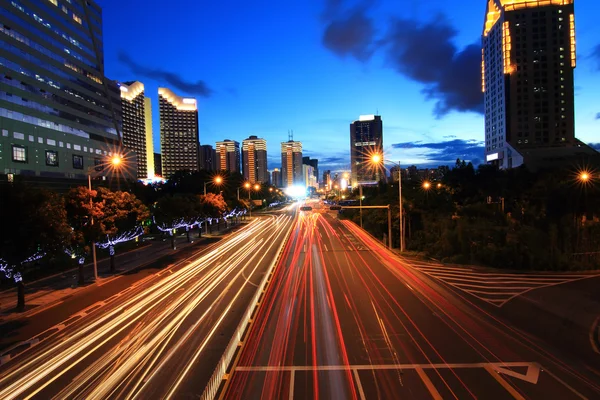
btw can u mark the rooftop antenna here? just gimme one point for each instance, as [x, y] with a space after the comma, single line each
[291, 135]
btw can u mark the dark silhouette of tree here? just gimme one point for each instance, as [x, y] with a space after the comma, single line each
[33, 226]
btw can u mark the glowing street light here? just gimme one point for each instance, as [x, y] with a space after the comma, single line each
[116, 160]
[217, 180]
[426, 185]
[377, 160]
[584, 177]
[439, 185]
[257, 187]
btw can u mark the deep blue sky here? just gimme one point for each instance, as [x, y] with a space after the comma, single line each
[314, 66]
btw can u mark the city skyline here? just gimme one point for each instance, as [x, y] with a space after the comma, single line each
[390, 86]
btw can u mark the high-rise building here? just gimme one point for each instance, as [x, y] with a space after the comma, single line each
[327, 179]
[528, 58]
[276, 178]
[179, 136]
[254, 160]
[366, 139]
[149, 138]
[134, 124]
[59, 114]
[158, 164]
[308, 176]
[228, 155]
[313, 163]
[208, 158]
[291, 164]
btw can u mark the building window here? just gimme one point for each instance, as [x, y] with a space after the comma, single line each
[99, 165]
[18, 135]
[77, 161]
[19, 153]
[51, 158]
[76, 18]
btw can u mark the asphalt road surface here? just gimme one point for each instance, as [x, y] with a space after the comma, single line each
[343, 318]
[159, 338]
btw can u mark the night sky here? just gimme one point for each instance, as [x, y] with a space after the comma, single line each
[314, 66]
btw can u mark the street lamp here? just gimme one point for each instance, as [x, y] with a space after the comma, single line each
[117, 162]
[426, 185]
[377, 159]
[584, 177]
[439, 185]
[217, 181]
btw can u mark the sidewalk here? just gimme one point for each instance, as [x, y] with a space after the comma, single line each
[44, 293]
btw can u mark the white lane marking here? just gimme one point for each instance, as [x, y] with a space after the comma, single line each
[379, 367]
[513, 392]
[494, 288]
[361, 392]
[292, 376]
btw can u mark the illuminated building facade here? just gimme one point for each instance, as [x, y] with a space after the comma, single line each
[228, 155]
[291, 164]
[149, 137]
[179, 135]
[276, 178]
[254, 160]
[528, 58]
[366, 139]
[59, 115]
[134, 124]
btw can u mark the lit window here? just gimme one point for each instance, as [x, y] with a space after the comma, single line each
[19, 153]
[51, 158]
[76, 18]
[55, 2]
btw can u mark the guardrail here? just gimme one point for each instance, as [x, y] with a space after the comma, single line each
[214, 383]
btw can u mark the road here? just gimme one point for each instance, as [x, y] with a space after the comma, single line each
[344, 318]
[159, 338]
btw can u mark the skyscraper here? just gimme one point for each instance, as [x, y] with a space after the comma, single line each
[313, 163]
[528, 58]
[179, 135]
[149, 137]
[291, 164]
[158, 164]
[228, 155]
[134, 124]
[276, 178]
[59, 114]
[208, 158]
[366, 139]
[327, 179]
[254, 160]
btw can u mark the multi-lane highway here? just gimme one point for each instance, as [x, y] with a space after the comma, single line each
[343, 318]
[160, 338]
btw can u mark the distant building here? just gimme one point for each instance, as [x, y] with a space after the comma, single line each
[208, 158]
[366, 139]
[528, 58]
[327, 180]
[228, 155]
[60, 117]
[395, 173]
[149, 137]
[308, 175]
[158, 164]
[179, 134]
[134, 124]
[276, 178]
[291, 164]
[313, 163]
[254, 160]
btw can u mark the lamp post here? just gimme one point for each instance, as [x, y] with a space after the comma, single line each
[378, 159]
[216, 181]
[116, 162]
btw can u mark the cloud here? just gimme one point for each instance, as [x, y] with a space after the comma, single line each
[425, 53]
[199, 88]
[448, 151]
[348, 32]
[450, 137]
[598, 116]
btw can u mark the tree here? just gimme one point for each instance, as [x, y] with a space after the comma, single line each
[81, 206]
[121, 220]
[33, 226]
[174, 212]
